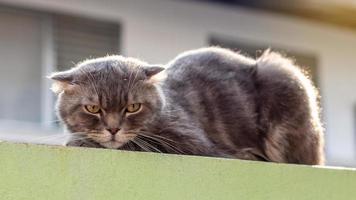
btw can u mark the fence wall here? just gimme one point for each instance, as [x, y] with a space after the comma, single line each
[52, 172]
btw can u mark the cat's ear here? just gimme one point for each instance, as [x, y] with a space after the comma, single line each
[154, 73]
[63, 81]
[152, 70]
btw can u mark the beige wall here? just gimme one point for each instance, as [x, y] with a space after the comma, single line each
[157, 30]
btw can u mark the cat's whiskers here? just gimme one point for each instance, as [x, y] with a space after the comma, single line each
[148, 134]
[169, 145]
[53, 121]
[56, 137]
[160, 140]
[53, 135]
[49, 137]
[147, 144]
[140, 145]
[79, 139]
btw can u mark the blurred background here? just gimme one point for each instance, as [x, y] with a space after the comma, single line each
[38, 37]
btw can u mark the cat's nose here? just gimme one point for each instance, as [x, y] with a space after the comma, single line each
[113, 131]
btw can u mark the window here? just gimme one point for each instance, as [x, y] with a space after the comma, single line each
[79, 38]
[34, 44]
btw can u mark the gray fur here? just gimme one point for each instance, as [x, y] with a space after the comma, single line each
[210, 102]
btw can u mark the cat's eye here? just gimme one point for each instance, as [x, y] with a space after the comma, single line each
[95, 109]
[132, 108]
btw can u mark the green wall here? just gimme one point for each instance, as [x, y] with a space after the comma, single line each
[51, 172]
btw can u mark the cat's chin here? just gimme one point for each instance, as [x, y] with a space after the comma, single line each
[112, 144]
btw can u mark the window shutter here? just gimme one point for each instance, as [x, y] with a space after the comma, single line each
[77, 39]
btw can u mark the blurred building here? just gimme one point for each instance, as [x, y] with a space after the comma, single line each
[41, 36]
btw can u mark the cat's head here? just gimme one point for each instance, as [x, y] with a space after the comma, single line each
[108, 100]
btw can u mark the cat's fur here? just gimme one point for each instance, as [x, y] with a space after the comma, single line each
[210, 102]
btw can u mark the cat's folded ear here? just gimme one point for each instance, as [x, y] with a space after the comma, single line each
[63, 81]
[152, 70]
[154, 73]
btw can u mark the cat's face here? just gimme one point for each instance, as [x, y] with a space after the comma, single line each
[108, 100]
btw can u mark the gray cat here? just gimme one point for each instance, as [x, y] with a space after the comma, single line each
[209, 102]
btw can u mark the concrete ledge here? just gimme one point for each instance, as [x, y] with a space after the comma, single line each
[54, 172]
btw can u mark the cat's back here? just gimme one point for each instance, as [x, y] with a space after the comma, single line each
[213, 70]
[210, 60]
[214, 87]
[215, 74]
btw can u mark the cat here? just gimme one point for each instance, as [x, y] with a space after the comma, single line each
[208, 102]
